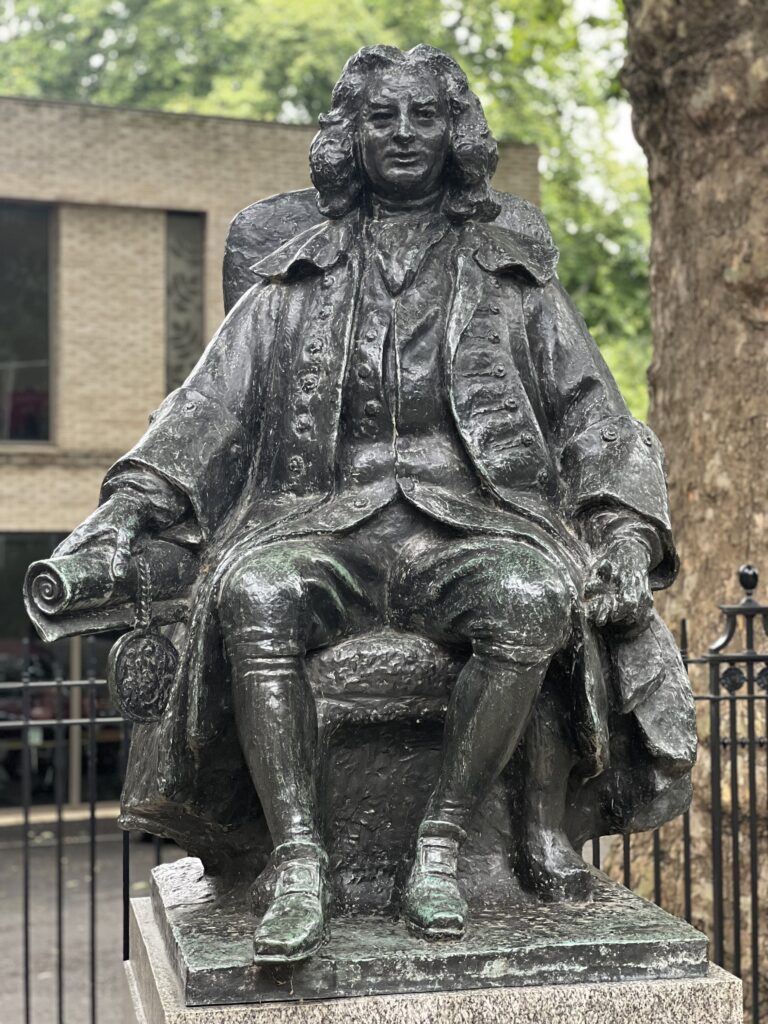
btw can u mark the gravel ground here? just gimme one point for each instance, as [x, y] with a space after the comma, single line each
[76, 954]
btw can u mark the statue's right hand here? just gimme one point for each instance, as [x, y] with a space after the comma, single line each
[118, 523]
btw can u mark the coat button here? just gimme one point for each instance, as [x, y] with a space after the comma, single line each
[315, 347]
[494, 339]
[303, 423]
[510, 403]
[407, 485]
[609, 433]
[648, 440]
[371, 334]
[495, 309]
[189, 406]
[499, 371]
[325, 312]
[364, 370]
[328, 282]
[542, 476]
[372, 408]
[296, 464]
[309, 383]
[360, 502]
[526, 439]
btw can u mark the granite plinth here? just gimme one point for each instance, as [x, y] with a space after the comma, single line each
[154, 997]
[207, 930]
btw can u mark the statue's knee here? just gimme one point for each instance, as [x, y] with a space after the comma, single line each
[260, 594]
[537, 607]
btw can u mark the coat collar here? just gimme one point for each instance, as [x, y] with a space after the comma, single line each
[319, 247]
[500, 250]
[496, 249]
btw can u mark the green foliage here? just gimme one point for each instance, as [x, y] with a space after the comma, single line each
[547, 74]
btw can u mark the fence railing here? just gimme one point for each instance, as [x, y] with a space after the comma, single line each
[62, 744]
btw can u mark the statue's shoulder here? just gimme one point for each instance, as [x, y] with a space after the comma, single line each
[261, 229]
[523, 217]
[517, 239]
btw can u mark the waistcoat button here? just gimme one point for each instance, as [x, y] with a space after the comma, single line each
[364, 370]
[372, 408]
[499, 371]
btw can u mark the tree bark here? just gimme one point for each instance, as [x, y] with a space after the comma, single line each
[697, 75]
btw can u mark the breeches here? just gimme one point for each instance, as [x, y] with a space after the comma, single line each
[487, 593]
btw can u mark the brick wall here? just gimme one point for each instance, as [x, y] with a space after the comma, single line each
[112, 174]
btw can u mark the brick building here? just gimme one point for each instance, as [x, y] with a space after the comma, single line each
[112, 230]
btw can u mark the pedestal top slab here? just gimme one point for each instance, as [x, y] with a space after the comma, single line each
[618, 936]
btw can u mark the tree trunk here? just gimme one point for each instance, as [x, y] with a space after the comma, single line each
[697, 74]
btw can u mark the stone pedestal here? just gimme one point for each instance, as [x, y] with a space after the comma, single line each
[154, 997]
[615, 958]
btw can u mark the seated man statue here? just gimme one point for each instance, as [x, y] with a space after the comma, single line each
[404, 422]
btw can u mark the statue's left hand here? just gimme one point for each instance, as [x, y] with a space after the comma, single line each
[617, 589]
[118, 523]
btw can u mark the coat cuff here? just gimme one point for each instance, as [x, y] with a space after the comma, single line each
[168, 505]
[618, 463]
[197, 446]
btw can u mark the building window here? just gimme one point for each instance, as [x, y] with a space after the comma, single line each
[24, 322]
[185, 235]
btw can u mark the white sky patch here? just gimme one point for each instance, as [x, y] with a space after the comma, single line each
[608, 49]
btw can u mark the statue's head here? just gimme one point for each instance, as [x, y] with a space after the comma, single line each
[404, 125]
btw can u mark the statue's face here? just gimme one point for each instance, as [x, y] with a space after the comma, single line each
[403, 134]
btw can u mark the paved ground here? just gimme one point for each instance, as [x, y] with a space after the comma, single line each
[77, 1001]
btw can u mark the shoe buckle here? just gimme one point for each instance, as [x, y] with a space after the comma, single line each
[301, 876]
[438, 855]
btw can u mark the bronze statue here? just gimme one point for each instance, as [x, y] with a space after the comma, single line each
[403, 429]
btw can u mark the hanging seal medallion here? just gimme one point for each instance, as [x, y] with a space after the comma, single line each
[142, 664]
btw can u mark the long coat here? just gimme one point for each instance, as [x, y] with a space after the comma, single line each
[250, 439]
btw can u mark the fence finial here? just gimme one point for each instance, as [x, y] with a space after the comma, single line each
[748, 578]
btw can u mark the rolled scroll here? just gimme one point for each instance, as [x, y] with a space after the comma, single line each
[70, 594]
[75, 582]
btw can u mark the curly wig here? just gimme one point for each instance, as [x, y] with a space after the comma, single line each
[472, 154]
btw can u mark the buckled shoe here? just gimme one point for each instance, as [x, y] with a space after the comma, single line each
[433, 906]
[295, 924]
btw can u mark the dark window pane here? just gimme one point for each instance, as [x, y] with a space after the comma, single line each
[185, 234]
[24, 357]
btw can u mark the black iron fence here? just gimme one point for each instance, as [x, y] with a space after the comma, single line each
[68, 874]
